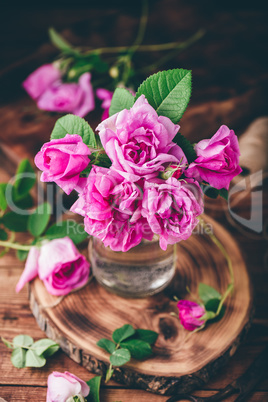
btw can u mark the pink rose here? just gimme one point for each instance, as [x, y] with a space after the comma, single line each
[139, 142]
[171, 207]
[62, 386]
[58, 264]
[62, 160]
[190, 314]
[76, 98]
[106, 97]
[111, 207]
[40, 80]
[217, 161]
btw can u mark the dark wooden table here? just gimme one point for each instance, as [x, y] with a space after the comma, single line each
[230, 87]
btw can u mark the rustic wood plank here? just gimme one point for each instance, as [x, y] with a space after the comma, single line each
[21, 394]
[190, 364]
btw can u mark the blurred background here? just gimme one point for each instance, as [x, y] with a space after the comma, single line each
[229, 63]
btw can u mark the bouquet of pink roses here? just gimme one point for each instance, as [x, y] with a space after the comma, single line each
[139, 177]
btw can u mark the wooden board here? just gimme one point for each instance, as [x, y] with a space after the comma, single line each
[82, 318]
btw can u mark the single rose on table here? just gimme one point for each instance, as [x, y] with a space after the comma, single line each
[190, 314]
[46, 87]
[217, 160]
[58, 264]
[63, 387]
[62, 160]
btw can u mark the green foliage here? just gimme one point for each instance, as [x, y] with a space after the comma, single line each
[58, 41]
[3, 235]
[207, 293]
[128, 343]
[71, 124]
[38, 221]
[120, 357]
[107, 345]
[122, 99]
[168, 92]
[68, 228]
[123, 333]
[22, 254]
[186, 146]
[94, 385]
[213, 193]
[139, 349]
[25, 178]
[27, 353]
[15, 222]
[3, 201]
[99, 159]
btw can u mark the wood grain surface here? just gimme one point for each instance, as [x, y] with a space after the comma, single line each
[84, 317]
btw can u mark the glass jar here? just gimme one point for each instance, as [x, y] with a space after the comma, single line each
[140, 272]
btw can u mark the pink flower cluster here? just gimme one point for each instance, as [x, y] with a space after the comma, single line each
[45, 86]
[131, 200]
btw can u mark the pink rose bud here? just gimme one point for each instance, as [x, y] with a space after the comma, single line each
[76, 98]
[62, 386]
[58, 264]
[139, 142]
[217, 159]
[106, 97]
[190, 314]
[62, 160]
[177, 171]
[40, 80]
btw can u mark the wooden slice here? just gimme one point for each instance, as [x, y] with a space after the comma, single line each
[178, 364]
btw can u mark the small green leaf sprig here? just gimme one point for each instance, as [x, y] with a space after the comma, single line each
[27, 353]
[35, 221]
[127, 342]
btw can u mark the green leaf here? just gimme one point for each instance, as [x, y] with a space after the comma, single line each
[212, 305]
[22, 341]
[38, 221]
[59, 41]
[68, 228]
[186, 146]
[94, 385]
[25, 178]
[122, 99]
[22, 255]
[147, 335]
[120, 357]
[211, 192]
[223, 193]
[33, 360]
[206, 293]
[7, 343]
[99, 159]
[18, 357]
[42, 346]
[3, 201]
[15, 222]
[3, 235]
[107, 345]
[138, 349]
[24, 203]
[71, 124]
[126, 331]
[168, 92]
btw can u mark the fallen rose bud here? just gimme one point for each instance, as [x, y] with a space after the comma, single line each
[58, 264]
[63, 387]
[190, 314]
